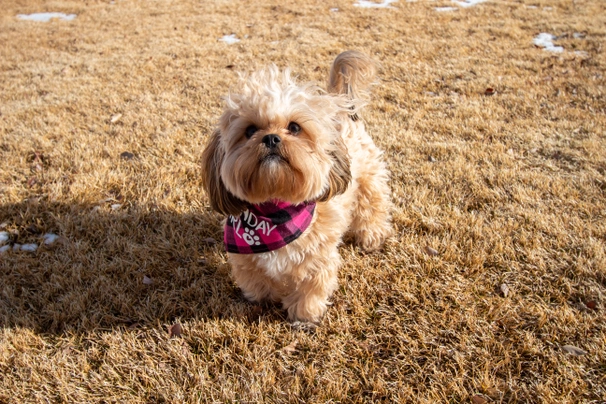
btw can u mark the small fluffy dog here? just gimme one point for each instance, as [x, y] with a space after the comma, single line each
[293, 169]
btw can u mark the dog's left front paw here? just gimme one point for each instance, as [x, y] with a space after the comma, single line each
[372, 240]
[305, 309]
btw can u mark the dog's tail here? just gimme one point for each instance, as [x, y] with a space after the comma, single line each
[352, 74]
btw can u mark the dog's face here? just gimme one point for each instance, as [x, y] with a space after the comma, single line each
[276, 140]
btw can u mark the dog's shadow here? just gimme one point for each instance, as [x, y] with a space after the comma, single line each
[113, 266]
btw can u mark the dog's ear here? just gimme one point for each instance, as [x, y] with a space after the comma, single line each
[340, 173]
[221, 199]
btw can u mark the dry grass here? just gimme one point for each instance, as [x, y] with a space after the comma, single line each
[515, 194]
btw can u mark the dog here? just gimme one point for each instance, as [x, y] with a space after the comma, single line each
[293, 169]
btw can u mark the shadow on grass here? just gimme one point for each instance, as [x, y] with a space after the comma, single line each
[130, 266]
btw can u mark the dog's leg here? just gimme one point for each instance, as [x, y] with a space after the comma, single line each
[309, 300]
[255, 285]
[371, 221]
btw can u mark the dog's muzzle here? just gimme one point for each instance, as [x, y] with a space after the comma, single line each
[271, 141]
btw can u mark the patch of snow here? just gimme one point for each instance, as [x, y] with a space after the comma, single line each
[581, 53]
[579, 35]
[46, 17]
[467, 3]
[371, 4]
[334, 10]
[16, 247]
[229, 39]
[4, 248]
[544, 40]
[50, 238]
[445, 9]
[116, 206]
[532, 7]
[4, 237]
[29, 247]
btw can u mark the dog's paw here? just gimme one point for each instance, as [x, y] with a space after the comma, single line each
[372, 240]
[305, 326]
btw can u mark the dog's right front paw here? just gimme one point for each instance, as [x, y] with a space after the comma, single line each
[304, 326]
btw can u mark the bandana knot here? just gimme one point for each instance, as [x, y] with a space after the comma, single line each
[267, 227]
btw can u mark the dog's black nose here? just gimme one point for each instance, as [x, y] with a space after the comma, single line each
[271, 141]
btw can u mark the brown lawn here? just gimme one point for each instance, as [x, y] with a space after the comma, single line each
[508, 189]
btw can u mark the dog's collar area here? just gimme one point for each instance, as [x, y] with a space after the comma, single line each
[267, 226]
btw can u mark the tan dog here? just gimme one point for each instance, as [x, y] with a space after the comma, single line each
[294, 170]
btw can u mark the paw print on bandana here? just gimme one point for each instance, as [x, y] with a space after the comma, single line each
[250, 237]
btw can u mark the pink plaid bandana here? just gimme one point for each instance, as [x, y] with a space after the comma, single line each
[267, 227]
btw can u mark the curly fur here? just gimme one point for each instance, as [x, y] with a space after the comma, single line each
[331, 160]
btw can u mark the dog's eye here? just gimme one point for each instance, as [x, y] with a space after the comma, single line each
[250, 130]
[294, 128]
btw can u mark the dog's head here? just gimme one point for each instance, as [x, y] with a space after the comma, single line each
[277, 140]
